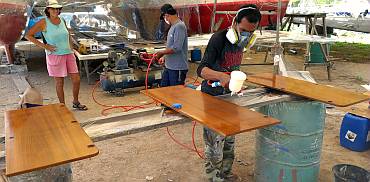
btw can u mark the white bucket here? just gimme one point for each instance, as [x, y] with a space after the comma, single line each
[236, 81]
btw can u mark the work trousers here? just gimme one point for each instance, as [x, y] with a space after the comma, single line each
[219, 155]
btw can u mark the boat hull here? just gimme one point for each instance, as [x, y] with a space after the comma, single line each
[12, 23]
[197, 17]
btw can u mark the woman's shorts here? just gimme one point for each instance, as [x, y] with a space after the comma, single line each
[61, 65]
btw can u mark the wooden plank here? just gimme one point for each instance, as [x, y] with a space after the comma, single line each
[41, 137]
[221, 116]
[151, 121]
[133, 114]
[326, 94]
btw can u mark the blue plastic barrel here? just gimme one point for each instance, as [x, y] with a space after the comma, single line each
[290, 151]
[196, 55]
[355, 133]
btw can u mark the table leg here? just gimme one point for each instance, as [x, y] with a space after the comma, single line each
[267, 53]
[290, 23]
[285, 22]
[325, 34]
[327, 61]
[308, 47]
[307, 25]
[307, 58]
[324, 26]
[328, 67]
[313, 26]
[310, 23]
[86, 64]
[80, 67]
[95, 70]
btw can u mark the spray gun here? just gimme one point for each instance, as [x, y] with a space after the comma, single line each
[236, 82]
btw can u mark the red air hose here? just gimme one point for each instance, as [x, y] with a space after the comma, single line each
[124, 108]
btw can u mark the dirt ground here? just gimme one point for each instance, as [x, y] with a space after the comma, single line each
[153, 154]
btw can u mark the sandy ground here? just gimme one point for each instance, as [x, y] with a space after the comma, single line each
[153, 154]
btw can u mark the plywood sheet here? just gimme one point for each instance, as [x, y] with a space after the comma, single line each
[42, 137]
[223, 117]
[326, 94]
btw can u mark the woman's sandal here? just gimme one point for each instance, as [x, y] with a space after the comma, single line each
[79, 106]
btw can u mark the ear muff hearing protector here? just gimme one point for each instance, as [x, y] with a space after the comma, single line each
[232, 35]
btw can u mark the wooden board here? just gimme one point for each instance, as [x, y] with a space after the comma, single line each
[326, 94]
[221, 116]
[45, 136]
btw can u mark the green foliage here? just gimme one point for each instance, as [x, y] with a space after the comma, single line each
[354, 52]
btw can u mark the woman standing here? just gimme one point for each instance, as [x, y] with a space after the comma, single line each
[58, 47]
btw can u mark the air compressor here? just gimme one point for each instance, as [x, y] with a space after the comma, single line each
[126, 68]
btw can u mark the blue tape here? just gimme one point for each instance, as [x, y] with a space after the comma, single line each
[177, 106]
[216, 84]
[191, 86]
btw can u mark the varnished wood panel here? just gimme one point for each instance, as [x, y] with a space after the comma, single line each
[326, 94]
[42, 137]
[221, 116]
